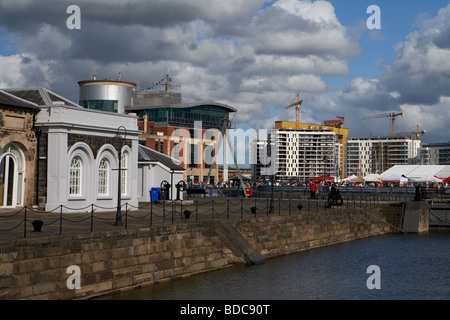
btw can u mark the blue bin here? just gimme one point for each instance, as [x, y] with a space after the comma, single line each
[154, 193]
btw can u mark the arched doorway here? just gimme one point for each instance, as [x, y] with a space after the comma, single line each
[12, 170]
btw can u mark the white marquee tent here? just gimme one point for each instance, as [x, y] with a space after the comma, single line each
[419, 172]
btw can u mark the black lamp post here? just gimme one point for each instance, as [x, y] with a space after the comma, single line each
[119, 179]
[325, 159]
[273, 173]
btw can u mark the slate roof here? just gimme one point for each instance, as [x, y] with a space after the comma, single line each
[147, 154]
[39, 96]
[11, 100]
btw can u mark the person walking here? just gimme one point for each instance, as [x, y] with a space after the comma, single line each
[313, 189]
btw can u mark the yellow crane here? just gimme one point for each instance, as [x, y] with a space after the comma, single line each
[391, 115]
[296, 104]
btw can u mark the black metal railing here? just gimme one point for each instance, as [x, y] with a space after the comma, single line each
[286, 201]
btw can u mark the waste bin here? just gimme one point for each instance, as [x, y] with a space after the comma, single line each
[155, 194]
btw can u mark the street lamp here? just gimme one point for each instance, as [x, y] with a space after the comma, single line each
[272, 173]
[325, 159]
[119, 179]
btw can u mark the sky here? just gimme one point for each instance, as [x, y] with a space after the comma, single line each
[253, 55]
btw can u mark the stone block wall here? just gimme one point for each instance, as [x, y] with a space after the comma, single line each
[108, 262]
[286, 234]
[111, 262]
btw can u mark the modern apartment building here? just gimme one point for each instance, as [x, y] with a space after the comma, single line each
[335, 126]
[300, 154]
[376, 154]
[434, 154]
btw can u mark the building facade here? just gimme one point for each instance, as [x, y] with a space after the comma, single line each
[434, 154]
[186, 132]
[106, 95]
[77, 153]
[336, 126]
[18, 143]
[299, 154]
[374, 155]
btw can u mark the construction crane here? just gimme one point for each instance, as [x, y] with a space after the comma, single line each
[417, 132]
[167, 83]
[391, 115]
[296, 104]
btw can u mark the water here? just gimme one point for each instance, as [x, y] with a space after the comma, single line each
[411, 267]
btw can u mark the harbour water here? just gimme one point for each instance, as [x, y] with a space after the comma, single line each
[411, 267]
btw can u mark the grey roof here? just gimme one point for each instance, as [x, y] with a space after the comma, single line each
[147, 154]
[185, 105]
[11, 100]
[39, 96]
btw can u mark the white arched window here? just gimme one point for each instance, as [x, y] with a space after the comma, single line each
[75, 185]
[124, 174]
[103, 177]
[12, 173]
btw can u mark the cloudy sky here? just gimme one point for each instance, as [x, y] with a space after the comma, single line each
[254, 55]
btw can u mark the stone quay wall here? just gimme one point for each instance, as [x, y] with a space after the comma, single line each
[115, 261]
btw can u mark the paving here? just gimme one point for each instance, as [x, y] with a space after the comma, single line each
[21, 223]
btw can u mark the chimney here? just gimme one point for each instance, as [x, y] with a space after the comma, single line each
[145, 123]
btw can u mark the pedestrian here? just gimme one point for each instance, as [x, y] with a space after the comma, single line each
[313, 189]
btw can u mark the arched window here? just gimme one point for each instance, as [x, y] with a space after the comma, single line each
[103, 177]
[12, 171]
[124, 174]
[76, 166]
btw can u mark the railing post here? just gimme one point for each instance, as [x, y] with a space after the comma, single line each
[25, 223]
[181, 209]
[126, 215]
[212, 210]
[196, 210]
[151, 213]
[60, 219]
[92, 217]
[242, 208]
[228, 209]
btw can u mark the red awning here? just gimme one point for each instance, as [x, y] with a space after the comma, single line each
[447, 180]
[321, 178]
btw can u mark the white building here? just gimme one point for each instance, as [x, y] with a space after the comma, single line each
[434, 154]
[366, 155]
[82, 157]
[301, 154]
[154, 168]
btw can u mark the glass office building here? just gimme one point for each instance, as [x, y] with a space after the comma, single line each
[184, 115]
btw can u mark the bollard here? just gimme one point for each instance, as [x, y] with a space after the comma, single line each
[37, 225]
[187, 214]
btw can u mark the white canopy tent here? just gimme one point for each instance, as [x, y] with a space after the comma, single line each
[349, 178]
[372, 178]
[418, 171]
[395, 178]
[426, 179]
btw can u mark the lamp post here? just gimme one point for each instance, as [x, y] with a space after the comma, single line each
[269, 145]
[119, 179]
[325, 159]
